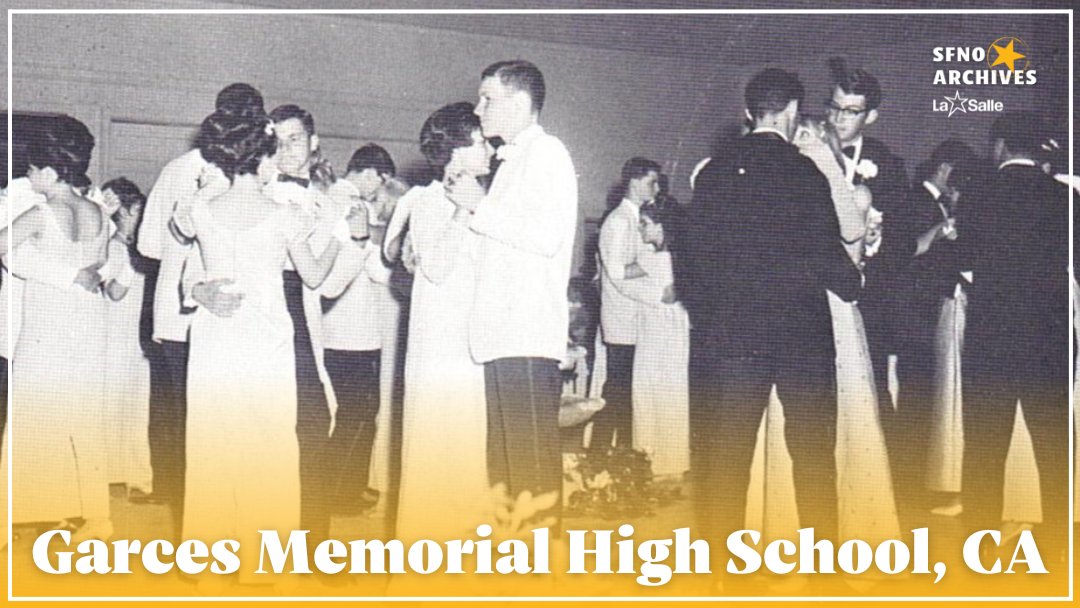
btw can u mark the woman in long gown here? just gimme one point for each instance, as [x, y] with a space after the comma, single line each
[242, 454]
[661, 360]
[444, 485]
[59, 458]
[867, 508]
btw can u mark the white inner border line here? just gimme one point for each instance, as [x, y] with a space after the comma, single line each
[1072, 317]
[10, 112]
[9, 322]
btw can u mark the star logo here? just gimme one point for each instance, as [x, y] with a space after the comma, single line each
[1006, 53]
[956, 104]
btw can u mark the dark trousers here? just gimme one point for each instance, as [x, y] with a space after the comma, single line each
[908, 428]
[523, 395]
[354, 375]
[613, 425]
[991, 390]
[728, 397]
[167, 426]
[312, 420]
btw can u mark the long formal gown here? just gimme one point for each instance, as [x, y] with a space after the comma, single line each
[661, 421]
[387, 313]
[59, 459]
[127, 386]
[444, 485]
[947, 425]
[243, 470]
[867, 508]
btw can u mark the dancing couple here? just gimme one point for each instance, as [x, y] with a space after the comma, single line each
[488, 320]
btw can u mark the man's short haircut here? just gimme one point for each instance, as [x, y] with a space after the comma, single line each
[520, 75]
[638, 167]
[1023, 132]
[855, 82]
[289, 111]
[953, 151]
[371, 156]
[771, 90]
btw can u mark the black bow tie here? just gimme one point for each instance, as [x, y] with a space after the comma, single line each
[849, 151]
[296, 180]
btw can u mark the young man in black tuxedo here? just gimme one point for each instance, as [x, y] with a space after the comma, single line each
[1017, 340]
[752, 270]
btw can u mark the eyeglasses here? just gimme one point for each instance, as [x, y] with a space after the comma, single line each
[832, 108]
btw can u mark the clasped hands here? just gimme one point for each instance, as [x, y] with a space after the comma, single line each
[464, 191]
[633, 270]
[357, 220]
[947, 229]
[90, 278]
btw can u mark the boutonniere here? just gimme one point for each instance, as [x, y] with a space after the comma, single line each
[507, 152]
[866, 169]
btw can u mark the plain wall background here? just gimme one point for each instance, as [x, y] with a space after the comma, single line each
[662, 86]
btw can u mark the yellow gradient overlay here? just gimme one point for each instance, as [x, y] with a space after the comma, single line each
[944, 545]
[957, 582]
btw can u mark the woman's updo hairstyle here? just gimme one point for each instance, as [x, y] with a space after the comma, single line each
[65, 146]
[125, 190]
[449, 128]
[236, 144]
[240, 99]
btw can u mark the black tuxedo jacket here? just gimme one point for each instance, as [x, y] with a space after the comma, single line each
[919, 288]
[935, 273]
[760, 247]
[1016, 241]
[890, 190]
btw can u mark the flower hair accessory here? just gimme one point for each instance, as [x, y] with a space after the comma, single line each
[95, 195]
[866, 169]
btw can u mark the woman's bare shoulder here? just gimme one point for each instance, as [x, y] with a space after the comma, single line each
[89, 215]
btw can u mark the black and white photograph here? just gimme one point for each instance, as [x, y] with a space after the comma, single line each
[426, 275]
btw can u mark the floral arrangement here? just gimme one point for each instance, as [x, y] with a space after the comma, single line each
[616, 483]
